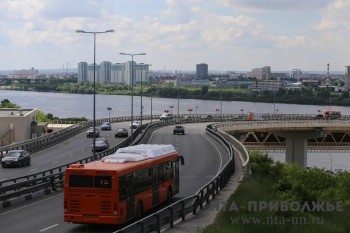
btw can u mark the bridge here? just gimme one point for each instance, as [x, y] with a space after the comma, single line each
[224, 129]
[296, 137]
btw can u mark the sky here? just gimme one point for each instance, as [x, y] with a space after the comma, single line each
[228, 35]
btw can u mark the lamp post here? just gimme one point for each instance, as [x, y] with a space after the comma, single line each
[220, 103]
[109, 113]
[94, 84]
[274, 102]
[142, 64]
[132, 89]
[178, 98]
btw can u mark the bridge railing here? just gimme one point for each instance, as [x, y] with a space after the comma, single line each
[47, 140]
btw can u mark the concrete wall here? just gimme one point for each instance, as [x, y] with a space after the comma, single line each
[15, 125]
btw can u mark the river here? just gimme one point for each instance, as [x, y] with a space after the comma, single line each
[79, 105]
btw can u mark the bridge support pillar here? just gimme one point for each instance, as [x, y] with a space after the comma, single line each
[296, 145]
[296, 151]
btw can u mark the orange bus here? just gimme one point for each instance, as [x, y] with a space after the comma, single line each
[122, 186]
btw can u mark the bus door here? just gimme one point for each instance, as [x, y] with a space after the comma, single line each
[155, 186]
[130, 206]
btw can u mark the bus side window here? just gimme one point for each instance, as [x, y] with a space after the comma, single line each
[161, 175]
[168, 170]
[122, 187]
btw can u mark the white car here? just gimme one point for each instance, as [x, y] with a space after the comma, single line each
[134, 125]
[166, 116]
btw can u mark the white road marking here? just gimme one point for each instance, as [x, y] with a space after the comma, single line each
[47, 228]
[54, 161]
[10, 211]
[70, 155]
[34, 169]
[220, 167]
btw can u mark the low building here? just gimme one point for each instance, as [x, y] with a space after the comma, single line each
[18, 125]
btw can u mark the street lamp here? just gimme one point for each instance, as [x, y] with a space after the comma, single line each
[178, 98]
[142, 64]
[94, 84]
[274, 102]
[109, 113]
[132, 88]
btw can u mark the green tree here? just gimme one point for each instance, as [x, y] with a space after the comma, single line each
[204, 90]
[5, 103]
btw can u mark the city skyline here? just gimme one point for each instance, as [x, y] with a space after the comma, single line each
[228, 35]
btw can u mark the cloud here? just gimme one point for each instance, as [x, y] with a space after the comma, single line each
[280, 5]
[336, 17]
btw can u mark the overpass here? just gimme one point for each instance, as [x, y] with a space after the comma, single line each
[296, 137]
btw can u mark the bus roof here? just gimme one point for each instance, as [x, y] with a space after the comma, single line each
[131, 158]
[139, 152]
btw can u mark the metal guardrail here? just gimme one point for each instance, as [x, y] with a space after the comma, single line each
[50, 139]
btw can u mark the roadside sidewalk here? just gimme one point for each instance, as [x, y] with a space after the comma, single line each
[206, 216]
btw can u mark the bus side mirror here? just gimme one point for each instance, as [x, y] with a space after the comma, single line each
[182, 160]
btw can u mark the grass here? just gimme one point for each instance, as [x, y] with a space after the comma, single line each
[241, 219]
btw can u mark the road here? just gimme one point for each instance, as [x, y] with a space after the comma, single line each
[203, 160]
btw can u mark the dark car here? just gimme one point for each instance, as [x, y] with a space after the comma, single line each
[106, 126]
[101, 144]
[90, 132]
[16, 158]
[121, 133]
[134, 125]
[179, 129]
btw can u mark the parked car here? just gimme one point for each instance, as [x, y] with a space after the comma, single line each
[121, 133]
[16, 158]
[134, 125]
[179, 129]
[101, 144]
[90, 132]
[166, 116]
[106, 126]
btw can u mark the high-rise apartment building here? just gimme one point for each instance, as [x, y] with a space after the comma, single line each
[347, 79]
[263, 73]
[117, 73]
[202, 71]
[82, 71]
[107, 72]
[90, 73]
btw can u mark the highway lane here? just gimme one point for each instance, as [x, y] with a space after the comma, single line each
[198, 150]
[73, 149]
[203, 159]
